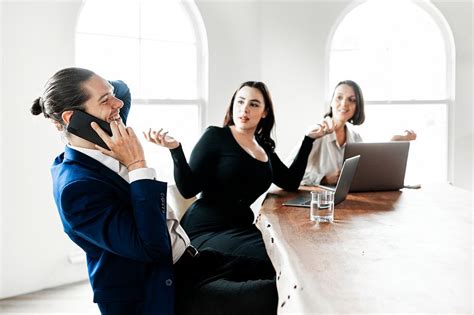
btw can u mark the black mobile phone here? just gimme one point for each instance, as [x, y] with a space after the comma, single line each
[80, 125]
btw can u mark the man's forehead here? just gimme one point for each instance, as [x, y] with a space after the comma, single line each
[97, 85]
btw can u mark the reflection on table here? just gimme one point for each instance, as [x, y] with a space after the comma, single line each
[397, 251]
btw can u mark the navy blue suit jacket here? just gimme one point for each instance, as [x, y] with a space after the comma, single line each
[121, 227]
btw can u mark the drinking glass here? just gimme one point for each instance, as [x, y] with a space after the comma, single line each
[322, 206]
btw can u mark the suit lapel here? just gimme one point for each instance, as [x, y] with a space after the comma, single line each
[97, 167]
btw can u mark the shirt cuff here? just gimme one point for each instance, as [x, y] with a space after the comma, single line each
[142, 173]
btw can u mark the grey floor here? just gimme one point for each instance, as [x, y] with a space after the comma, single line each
[70, 299]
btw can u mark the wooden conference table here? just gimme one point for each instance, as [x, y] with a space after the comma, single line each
[398, 251]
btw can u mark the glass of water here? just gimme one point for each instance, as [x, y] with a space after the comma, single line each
[322, 206]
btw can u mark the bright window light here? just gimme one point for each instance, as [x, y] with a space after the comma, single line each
[179, 119]
[154, 48]
[396, 52]
[431, 126]
[391, 59]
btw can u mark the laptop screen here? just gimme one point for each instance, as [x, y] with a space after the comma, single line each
[340, 191]
[382, 165]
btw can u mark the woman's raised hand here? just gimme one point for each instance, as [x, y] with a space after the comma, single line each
[161, 138]
[325, 127]
[408, 135]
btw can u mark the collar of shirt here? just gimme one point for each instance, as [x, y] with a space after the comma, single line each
[117, 167]
[350, 137]
[106, 160]
[331, 138]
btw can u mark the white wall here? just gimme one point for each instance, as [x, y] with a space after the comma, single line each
[281, 42]
[233, 32]
[294, 64]
[1, 146]
[37, 41]
[459, 17]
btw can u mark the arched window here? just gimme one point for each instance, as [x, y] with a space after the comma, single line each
[159, 48]
[400, 53]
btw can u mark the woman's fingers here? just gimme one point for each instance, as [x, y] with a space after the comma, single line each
[410, 134]
[161, 138]
[330, 123]
[327, 127]
[151, 135]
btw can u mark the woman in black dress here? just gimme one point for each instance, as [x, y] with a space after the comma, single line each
[231, 167]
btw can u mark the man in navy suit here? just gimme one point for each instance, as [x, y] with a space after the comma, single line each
[112, 206]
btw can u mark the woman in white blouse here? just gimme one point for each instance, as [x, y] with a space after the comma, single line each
[326, 157]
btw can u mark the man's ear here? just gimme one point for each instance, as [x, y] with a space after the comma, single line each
[66, 116]
[56, 124]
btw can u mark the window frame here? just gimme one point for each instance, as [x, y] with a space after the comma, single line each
[448, 38]
[202, 62]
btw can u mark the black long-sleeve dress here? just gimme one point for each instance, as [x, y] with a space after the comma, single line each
[230, 180]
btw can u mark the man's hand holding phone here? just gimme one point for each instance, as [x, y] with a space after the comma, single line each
[80, 125]
[124, 145]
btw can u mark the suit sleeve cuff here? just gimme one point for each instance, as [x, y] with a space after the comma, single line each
[142, 173]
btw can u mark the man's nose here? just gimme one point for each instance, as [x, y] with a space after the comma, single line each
[118, 103]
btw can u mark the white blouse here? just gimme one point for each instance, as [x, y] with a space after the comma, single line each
[326, 156]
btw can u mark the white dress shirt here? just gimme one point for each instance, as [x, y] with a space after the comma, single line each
[326, 156]
[179, 238]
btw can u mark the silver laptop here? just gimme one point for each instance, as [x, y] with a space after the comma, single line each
[341, 189]
[382, 165]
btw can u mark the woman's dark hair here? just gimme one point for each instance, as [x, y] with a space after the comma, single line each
[62, 92]
[265, 126]
[359, 115]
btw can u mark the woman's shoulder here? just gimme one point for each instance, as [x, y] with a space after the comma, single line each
[352, 134]
[214, 133]
[214, 139]
[214, 129]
